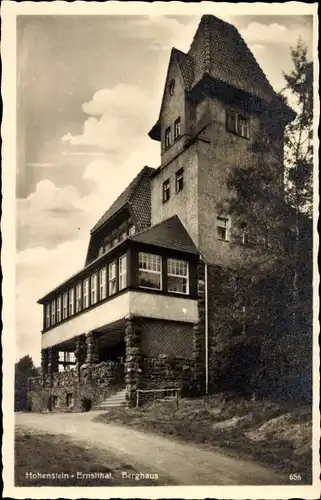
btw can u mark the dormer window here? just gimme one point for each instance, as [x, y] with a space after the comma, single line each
[167, 137]
[166, 190]
[171, 87]
[131, 230]
[177, 128]
[238, 124]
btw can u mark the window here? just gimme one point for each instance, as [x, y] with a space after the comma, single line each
[55, 401]
[171, 87]
[114, 240]
[65, 306]
[177, 276]
[58, 317]
[78, 298]
[150, 271]
[166, 190]
[122, 272]
[112, 278]
[101, 251]
[67, 357]
[131, 230]
[179, 180]
[69, 400]
[53, 312]
[85, 293]
[47, 315]
[245, 236]
[93, 288]
[222, 224]
[122, 234]
[71, 302]
[177, 128]
[167, 137]
[102, 284]
[237, 123]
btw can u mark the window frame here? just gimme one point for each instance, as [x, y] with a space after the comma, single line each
[58, 309]
[65, 310]
[47, 315]
[78, 306]
[179, 176]
[177, 128]
[221, 226]
[234, 125]
[152, 271]
[186, 277]
[71, 302]
[122, 273]
[85, 293]
[112, 278]
[167, 137]
[93, 288]
[102, 283]
[53, 312]
[166, 190]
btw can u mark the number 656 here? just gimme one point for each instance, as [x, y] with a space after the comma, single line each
[295, 477]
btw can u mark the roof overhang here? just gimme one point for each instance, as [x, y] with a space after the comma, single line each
[155, 132]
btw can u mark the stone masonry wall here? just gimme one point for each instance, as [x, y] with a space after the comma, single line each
[93, 383]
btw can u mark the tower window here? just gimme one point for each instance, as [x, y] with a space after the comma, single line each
[171, 87]
[238, 124]
[166, 190]
[177, 128]
[167, 137]
[179, 180]
[222, 226]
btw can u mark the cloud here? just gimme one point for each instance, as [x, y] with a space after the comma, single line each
[163, 32]
[38, 270]
[49, 216]
[259, 33]
[117, 116]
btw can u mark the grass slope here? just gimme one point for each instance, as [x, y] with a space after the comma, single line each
[263, 431]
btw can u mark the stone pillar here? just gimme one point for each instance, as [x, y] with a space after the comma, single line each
[92, 344]
[132, 361]
[44, 364]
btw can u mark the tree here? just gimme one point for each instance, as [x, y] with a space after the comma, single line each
[272, 220]
[24, 369]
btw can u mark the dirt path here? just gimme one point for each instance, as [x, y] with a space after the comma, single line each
[181, 463]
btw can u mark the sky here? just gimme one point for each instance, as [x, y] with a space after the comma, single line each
[89, 90]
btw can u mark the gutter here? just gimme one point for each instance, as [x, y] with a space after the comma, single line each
[206, 324]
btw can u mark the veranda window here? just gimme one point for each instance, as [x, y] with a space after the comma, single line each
[150, 271]
[47, 315]
[122, 272]
[71, 302]
[112, 278]
[102, 284]
[53, 312]
[58, 317]
[78, 298]
[65, 306]
[86, 293]
[177, 276]
[93, 298]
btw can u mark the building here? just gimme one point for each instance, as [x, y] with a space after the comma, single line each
[139, 314]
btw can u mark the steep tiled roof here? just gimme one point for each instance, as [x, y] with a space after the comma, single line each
[218, 50]
[186, 65]
[130, 193]
[168, 234]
